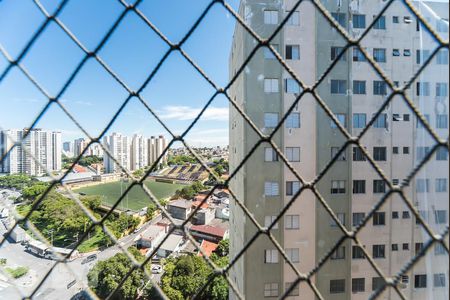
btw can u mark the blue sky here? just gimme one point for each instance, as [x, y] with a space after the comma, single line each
[177, 92]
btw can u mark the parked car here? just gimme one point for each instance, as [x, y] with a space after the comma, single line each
[157, 269]
[88, 259]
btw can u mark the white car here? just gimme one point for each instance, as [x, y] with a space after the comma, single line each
[157, 269]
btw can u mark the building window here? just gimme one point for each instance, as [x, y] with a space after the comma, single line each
[340, 18]
[406, 52]
[292, 187]
[420, 281]
[271, 290]
[421, 152]
[378, 251]
[294, 19]
[395, 52]
[341, 118]
[358, 285]
[441, 185]
[340, 217]
[270, 154]
[422, 88]
[379, 88]
[405, 247]
[405, 150]
[439, 280]
[394, 247]
[357, 218]
[440, 216]
[357, 253]
[338, 86]
[395, 19]
[359, 120]
[291, 86]
[358, 155]
[442, 25]
[293, 254]
[441, 89]
[405, 214]
[292, 222]
[422, 56]
[377, 283]
[405, 279]
[335, 51]
[439, 250]
[268, 220]
[418, 248]
[380, 23]
[441, 121]
[359, 186]
[395, 215]
[379, 186]
[337, 286]
[293, 52]
[442, 57]
[338, 186]
[381, 121]
[271, 188]
[295, 290]
[334, 152]
[268, 53]
[271, 85]
[441, 154]
[293, 120]
[379, 153]
[406, 117]
[394, 150]
[422, 185]
[359, 87]
[270, 120]
[293, 154]
[271, 256]
[379, 55]
[358, 55]
[270, 17]
[359, 21]
[379, 218]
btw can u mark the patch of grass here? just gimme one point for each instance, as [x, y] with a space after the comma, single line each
[3, 261]
[17, 272]
[136, 197]
[91, 244]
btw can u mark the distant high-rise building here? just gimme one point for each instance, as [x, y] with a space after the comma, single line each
[40, 152]
[309, 139]
[139, 152]
[68, 149]
[119, 147]
[79, 145]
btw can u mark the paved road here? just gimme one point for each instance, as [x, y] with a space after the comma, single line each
[55, 285]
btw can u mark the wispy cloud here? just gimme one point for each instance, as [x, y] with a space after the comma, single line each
[184, 113]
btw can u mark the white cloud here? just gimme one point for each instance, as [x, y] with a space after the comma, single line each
[185, 113]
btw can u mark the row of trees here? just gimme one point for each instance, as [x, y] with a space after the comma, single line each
[188, 192]
[181, 160]
[84, 161]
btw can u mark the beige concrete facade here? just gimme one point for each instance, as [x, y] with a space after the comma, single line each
[396, 144]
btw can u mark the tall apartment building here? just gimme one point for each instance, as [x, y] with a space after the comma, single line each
[120, 148]
[39, 152]
[309, 140]
[133, 153]
[139, 152]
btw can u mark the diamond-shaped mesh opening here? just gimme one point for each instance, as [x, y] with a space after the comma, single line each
[72, 53]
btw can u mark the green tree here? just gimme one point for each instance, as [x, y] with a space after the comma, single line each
[223, 248]
[106, 275]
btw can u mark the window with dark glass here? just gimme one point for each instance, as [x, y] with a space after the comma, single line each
[358, 55]
[338, 86]
[379, 218]
[358, 155]
[420, 281]
[335, 51]
[358, 285]
[359, 186]
[380, 23]
[337, 286]
[357, 253]
[359, 21]
[379, 87]
[357, 218]
[359, 120]
[379, 153]
[377, 283]
[378, 251]
[379, 54]
[340, 18]
[379, 186]
[359, 87]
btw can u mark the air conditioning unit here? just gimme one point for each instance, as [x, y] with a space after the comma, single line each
[407, 19]
[397, 117]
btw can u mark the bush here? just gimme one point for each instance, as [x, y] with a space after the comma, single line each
[3, 261]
